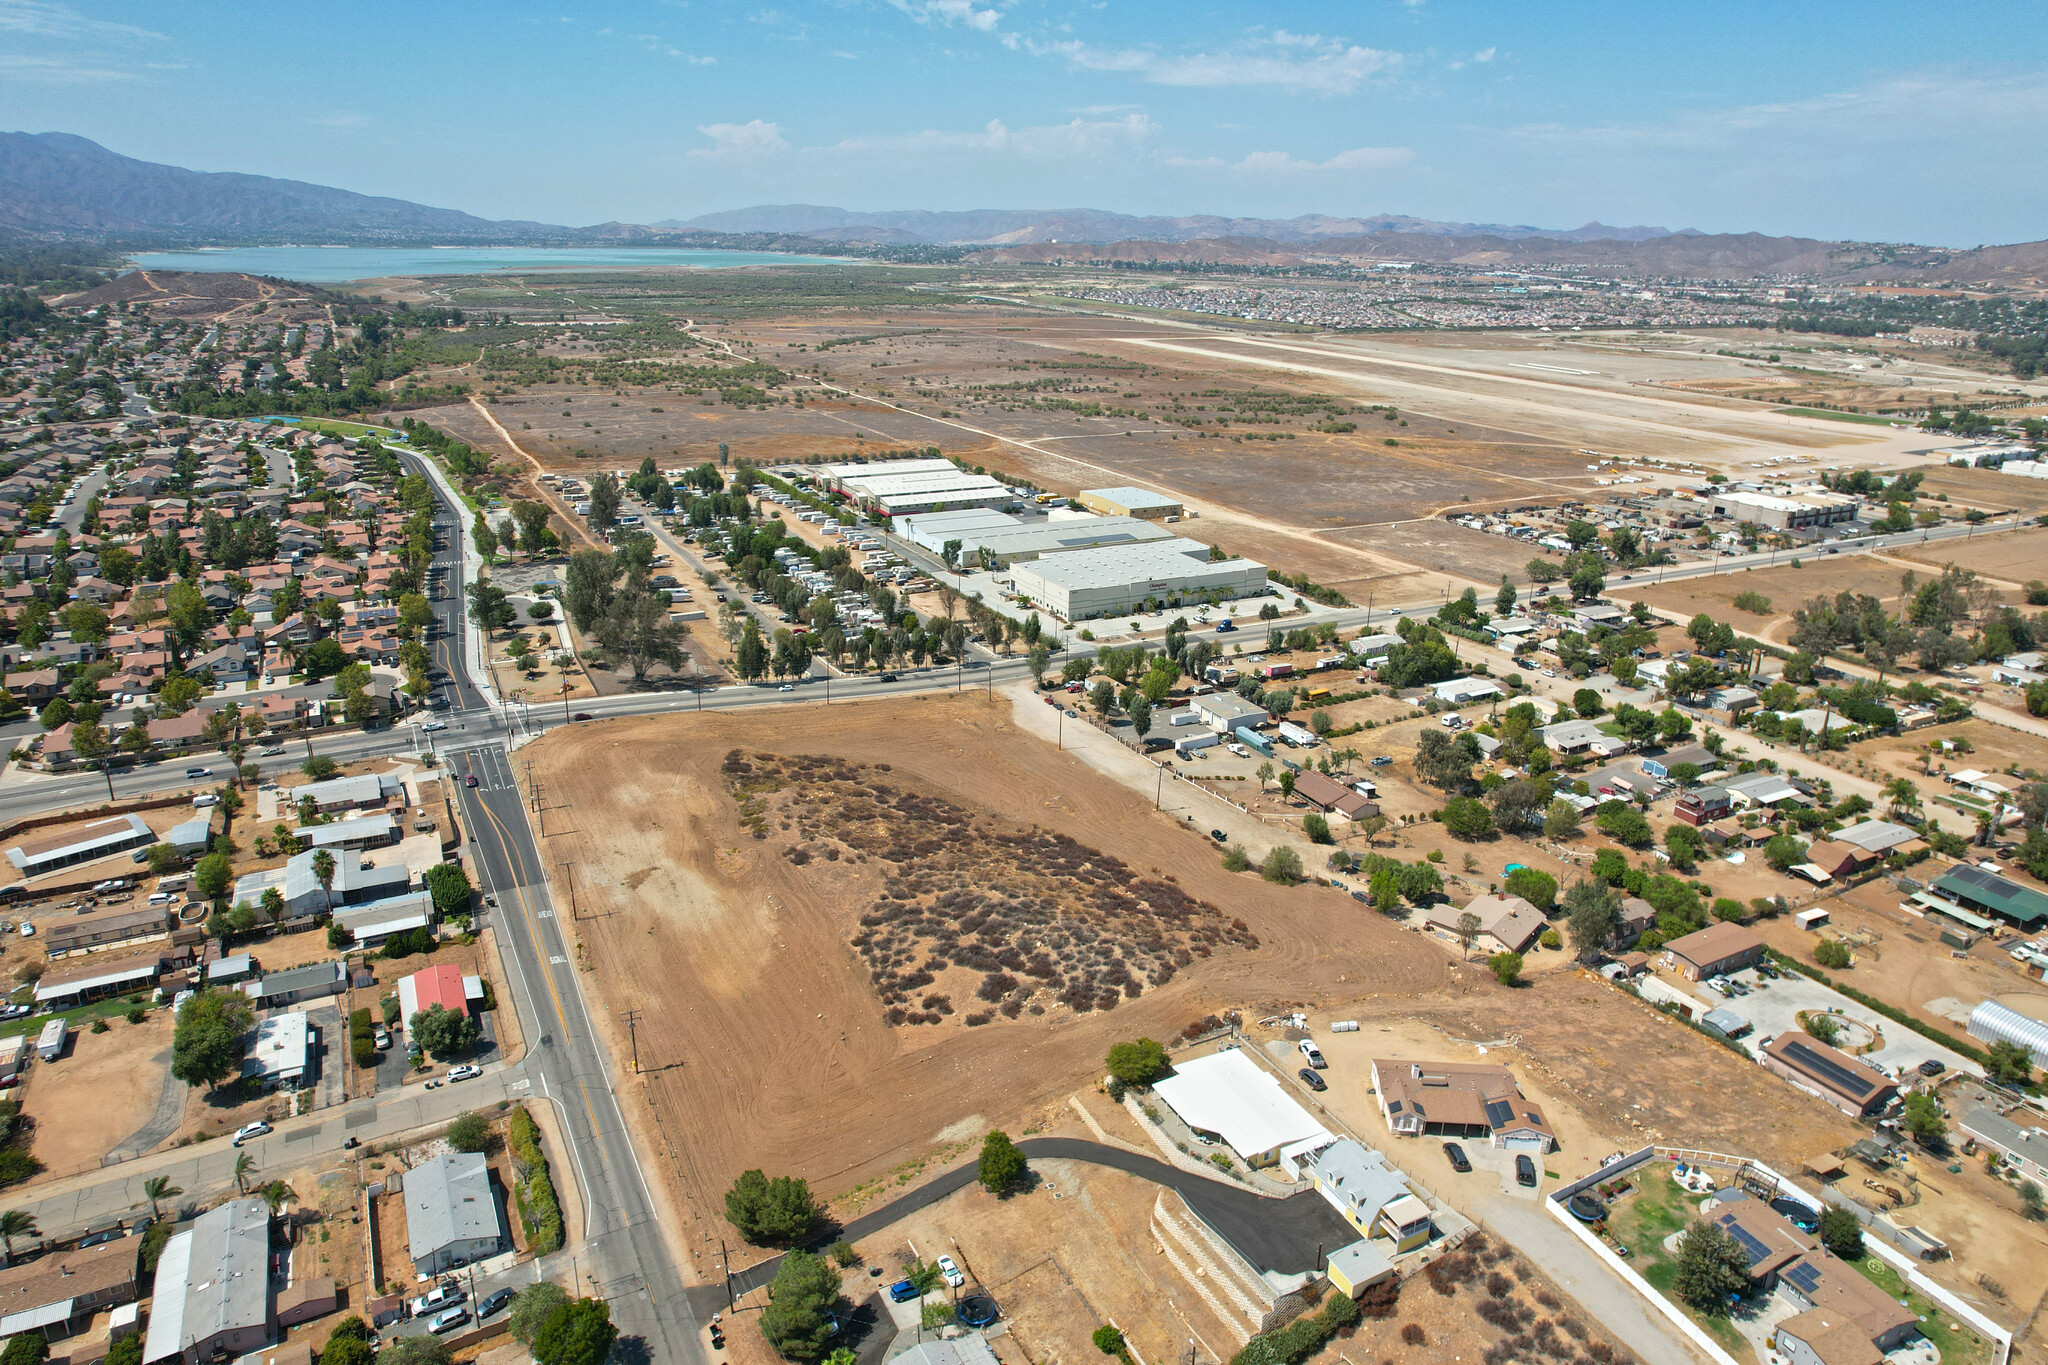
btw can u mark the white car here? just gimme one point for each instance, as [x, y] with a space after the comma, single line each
[249, 1132]
[434, 725]
[1312, 1054]
[448, 1321]
[950, 1272]
[440, 1296]
[467, 1072]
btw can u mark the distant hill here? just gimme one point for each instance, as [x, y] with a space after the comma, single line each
[55, 184]
[1028, 226]
[56, 187]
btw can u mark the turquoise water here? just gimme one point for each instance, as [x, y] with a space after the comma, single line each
[338, 264]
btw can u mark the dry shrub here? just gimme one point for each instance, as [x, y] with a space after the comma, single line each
[1547, 1299]
[1413, 1334]
[1500, 1286]
[1379, 1300]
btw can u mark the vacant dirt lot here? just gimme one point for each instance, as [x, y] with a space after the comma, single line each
[2010, 556]
[103, 1089]
[763, 1041]
[1788, 588]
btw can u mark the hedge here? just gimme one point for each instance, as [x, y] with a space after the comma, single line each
[1300, 1339]
[362, 1039]
[539, 1208]
[1891, 1012]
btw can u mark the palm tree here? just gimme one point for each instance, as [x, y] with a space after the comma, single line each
[277, 1194]
[244, 1164]
[323, 869]
[14, 1223]
[1902, 794]
[159, 1187]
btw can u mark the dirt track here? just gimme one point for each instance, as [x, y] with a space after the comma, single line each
[762, 1041]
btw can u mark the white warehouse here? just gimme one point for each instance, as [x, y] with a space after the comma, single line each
[1114, 579]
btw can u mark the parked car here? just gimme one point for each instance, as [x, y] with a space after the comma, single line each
[493, 1303]
[1219, 836]
[467, 1072]
[249, 1132]
[1382, 760]
[1460, 1163]
[949, 1271]
[383, 1040]
[1310, 1079]
[903, 1291]
[448, 1321]
[1932, 1067]
[1313, 1053]
[1525, 1170]
[439, 1297]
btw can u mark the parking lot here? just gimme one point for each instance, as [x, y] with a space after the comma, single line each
[1773, 1007]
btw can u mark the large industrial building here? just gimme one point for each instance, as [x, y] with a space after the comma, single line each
[1780, 513]
[901, 488]
[985, 537]
[1129, 502]
[1115, 579]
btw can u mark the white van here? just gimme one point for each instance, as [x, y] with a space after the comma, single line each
[206, 799]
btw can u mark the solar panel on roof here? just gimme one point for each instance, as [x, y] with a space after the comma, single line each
[1834, 1071]
[1499, 1113]
[1804, 1277]
[1751, 1247]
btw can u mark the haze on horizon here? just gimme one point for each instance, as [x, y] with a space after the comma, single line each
[1892, 122]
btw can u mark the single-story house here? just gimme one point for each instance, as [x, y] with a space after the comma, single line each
[2025, 1148]
[1459, 1099]
[1580, 736]
[1881, 837]
[1760, 789]
[1464, 691]
[85, 844]
[444, 985]
[1699, 756]
[1507, 924]
[451, 1212]
[213, 1282]
[314, 981]
[95, 977]
[58, 1294]
[1840, 860]
[1333, 797]
[1231, 1098]
[279, 1051]
[99, 929]
[372, 924]
[368, 791]
[1715, 951]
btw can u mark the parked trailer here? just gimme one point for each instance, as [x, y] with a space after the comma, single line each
[1271, 671]
[50, 1046]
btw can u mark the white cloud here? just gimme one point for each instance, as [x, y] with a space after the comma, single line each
[41, 19]
[981, 18]
[1484, 54]
[1078, 138]
[1358, 159]
[1921, 107]
[738, 141]
[1307, 64]
[58, 70]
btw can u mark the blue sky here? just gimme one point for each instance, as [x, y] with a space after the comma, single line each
[1912, 122]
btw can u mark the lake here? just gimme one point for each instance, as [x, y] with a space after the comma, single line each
[340, 264]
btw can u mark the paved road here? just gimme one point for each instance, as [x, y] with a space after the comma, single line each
[1287, 1236]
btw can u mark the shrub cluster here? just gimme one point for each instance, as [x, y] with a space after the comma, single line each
[1302, 1338]
[362, 1038]
[539, 1208]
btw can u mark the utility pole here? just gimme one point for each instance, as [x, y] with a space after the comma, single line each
[632, 1021]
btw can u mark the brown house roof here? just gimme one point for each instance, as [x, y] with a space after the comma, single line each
[69, 1275]
[1714, 943]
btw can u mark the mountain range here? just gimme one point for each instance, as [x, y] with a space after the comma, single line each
[58, 186]
[1008, 227]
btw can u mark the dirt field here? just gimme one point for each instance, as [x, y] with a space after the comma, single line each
[758, 1004]
[2008, 556]
[102, 1090]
